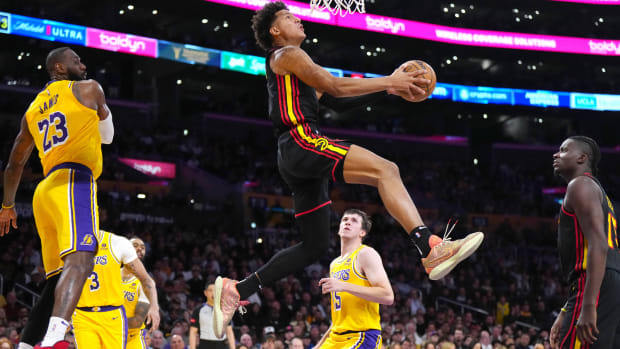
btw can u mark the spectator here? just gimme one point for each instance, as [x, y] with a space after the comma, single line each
[459, 338]
[5, 343]
[12, 307]
[485, 340]
[177, 342]
[415, 303]
[297, 343]
[157, 340]
[246, 340]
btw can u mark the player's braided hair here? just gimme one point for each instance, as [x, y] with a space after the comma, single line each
[591, 149]
[262, 21]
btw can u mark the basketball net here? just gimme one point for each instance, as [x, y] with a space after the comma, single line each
[340, 7]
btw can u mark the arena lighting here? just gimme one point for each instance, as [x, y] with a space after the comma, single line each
[191, 54]
[451, 35]
[594, 2]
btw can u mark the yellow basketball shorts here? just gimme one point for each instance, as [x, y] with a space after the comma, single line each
[136, 339]
[100, 327]
[370, 339]
[66, 214]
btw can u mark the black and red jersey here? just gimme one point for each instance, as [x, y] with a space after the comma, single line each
[573, 245]
[292, 103]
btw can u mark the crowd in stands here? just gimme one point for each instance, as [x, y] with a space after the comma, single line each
[505, 296]
[507, 293]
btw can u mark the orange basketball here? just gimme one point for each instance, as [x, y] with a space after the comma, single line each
[430, 75]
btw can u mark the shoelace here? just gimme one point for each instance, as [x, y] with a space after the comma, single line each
[446, 234]
[242, 310]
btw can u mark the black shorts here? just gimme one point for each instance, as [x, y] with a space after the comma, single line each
[205, 344]
[607, 313]
[307, 162]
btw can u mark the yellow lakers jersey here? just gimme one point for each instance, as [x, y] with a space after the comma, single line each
[351, 313]
[103, 286]
[131, 293]
[63, 129]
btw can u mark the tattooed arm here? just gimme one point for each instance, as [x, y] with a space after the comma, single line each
[136, 321]
[136, 268]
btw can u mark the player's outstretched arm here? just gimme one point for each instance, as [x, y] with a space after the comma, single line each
[293, 60]
[148, 285]
[22, 148]
[370, 264]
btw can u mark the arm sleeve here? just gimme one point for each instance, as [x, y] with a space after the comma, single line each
[123, 249]
[143, 298]
[348, 103]
[106, 129]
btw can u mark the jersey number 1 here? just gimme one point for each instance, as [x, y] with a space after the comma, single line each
[60, 133]
[612, 229]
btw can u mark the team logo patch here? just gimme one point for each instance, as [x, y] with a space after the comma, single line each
[87, 241]
[321, 143]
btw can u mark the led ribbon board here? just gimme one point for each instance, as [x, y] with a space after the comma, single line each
[255, 65]
[451, 35]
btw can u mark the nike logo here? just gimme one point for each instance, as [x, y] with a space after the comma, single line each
[114, 318]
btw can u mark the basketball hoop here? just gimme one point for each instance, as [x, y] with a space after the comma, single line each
[341, 7]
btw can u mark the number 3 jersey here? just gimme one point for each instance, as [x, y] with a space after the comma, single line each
[104, 285]
[351, 313]
[63, 129]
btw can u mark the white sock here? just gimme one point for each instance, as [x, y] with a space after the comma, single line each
[23, 345]
[55, 331]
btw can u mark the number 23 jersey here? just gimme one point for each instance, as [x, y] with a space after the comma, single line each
[63, 129]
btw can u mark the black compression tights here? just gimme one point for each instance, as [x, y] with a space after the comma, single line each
[40, 314]
[314, 228]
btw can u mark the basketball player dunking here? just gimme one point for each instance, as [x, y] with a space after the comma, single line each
[308, 160]
[589, 255]
[358, 283]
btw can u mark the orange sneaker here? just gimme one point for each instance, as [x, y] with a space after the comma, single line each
[226, 301]
[446, 254]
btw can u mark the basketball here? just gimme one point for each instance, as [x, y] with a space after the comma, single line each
[430, 75]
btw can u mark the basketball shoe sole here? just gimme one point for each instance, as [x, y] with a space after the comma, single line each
[218, 321]
[469, 245]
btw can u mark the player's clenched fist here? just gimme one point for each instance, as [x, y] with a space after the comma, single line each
[331, 285]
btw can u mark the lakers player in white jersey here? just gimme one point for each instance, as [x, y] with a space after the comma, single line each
[100, 284]
[136, 302]
[67, 122]
[358, 283]
[100, 320]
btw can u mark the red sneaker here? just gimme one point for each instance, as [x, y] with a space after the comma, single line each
[58, 345]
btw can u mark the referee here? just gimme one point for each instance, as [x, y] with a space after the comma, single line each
[201, 323]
